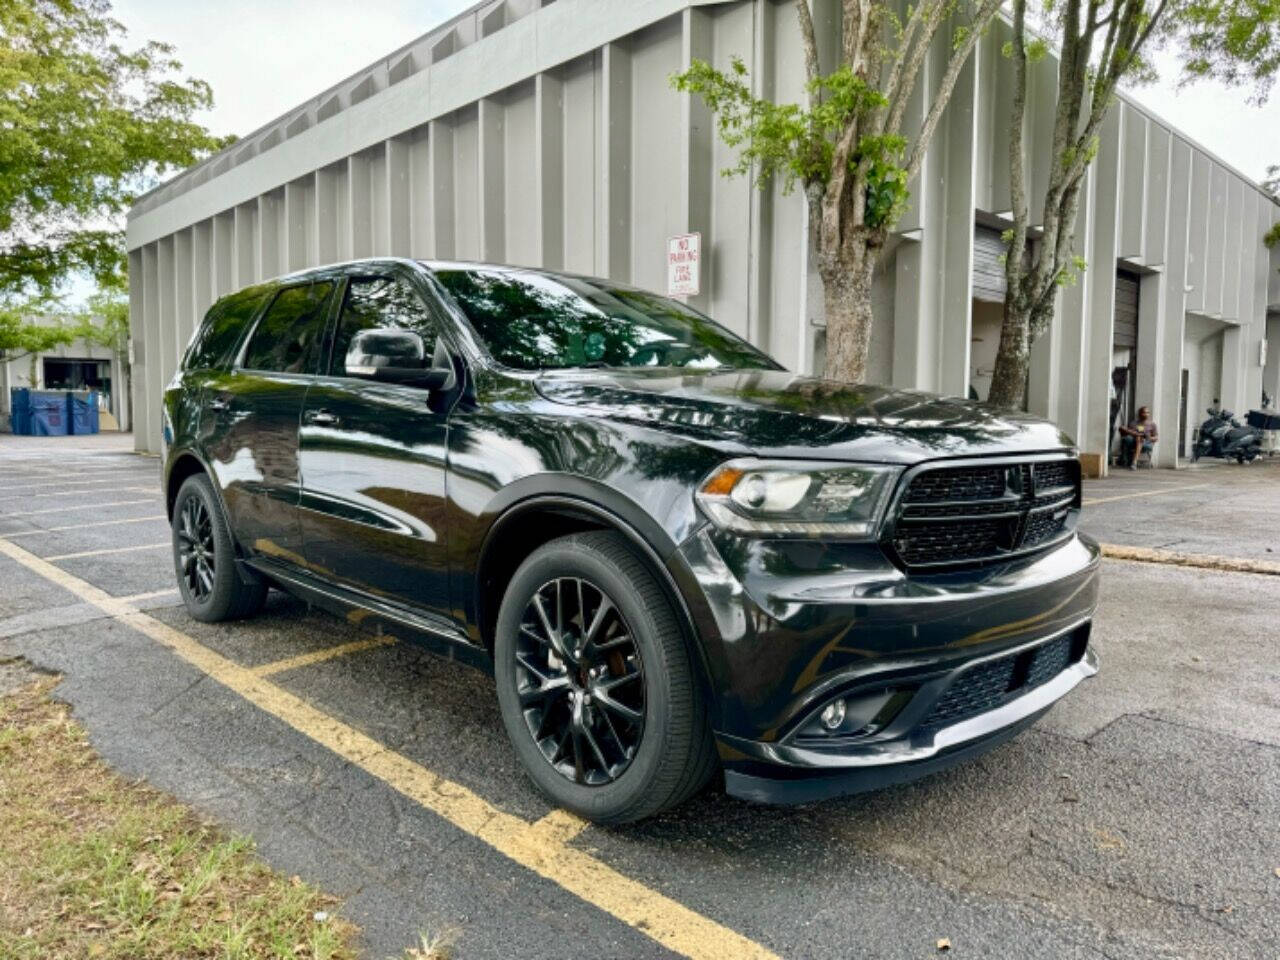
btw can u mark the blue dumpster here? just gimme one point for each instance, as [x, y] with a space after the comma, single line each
[20, 410]
[48, 413]
[82, 412]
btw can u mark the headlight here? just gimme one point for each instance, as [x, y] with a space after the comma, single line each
[785, 498]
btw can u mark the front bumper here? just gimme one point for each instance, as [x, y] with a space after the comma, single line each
[788, 627]
[784, 775]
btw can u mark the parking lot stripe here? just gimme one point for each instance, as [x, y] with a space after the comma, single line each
[667, 921]
[320, 656]
[108, 550]
[79, 506]
[73, 493]
[68, 483]
[1145, 493]
[77, 526]
[1203, 561]
[137, 598]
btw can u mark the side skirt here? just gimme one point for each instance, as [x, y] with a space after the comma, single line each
[374, 615]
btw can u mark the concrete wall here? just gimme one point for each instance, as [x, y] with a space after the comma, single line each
[547, 134]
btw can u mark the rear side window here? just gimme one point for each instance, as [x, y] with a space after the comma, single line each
[220, 331]
[289, 335]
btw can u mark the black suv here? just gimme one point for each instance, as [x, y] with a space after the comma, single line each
[674, 556]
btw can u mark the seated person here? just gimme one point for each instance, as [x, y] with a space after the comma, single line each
[1137, 438]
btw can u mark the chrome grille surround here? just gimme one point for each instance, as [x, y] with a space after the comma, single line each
[958, 513]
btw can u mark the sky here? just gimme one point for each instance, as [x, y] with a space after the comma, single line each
[314, 44]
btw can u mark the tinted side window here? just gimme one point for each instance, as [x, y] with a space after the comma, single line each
[220, 332]
[380, 302]
[290, 333]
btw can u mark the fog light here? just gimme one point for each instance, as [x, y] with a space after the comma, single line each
[833, 714]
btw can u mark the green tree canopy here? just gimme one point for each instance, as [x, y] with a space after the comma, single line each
[86, 123]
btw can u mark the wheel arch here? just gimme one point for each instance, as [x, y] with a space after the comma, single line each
[537, 520]
[183, 466]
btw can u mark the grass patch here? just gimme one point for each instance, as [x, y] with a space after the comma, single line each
[95, 866]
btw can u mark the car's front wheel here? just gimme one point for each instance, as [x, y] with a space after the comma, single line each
[204, 558]
[596, 683]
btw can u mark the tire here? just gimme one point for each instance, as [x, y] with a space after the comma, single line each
[673, 756]
[211, 586]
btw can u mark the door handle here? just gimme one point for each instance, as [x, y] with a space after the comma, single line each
[218, 403]
[321, 418]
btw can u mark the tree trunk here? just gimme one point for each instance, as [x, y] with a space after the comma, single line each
[846, 289]
[1013, 360]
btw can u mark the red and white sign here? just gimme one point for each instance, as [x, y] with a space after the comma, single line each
[684, 265]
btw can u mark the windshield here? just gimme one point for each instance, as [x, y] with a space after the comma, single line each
[536, 321]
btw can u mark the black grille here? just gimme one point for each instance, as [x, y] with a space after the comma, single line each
[953, 542]
[957, 483]
[954, 515]
[995, 682]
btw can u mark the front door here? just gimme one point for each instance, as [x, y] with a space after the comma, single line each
[250, 420]
[373, 461]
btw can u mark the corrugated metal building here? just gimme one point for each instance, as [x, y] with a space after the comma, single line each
[546, 133]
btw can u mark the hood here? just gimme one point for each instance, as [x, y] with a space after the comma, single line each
[776, 413]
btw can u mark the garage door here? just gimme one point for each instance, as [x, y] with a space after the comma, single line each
[988, 265]
[1126, 332]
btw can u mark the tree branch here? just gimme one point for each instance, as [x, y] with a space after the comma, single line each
[959, 56]
[1017, 162]
[809, 42]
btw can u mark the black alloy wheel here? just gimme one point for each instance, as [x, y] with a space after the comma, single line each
[597, 682]
[196, 550]
[204, 558]
[580, 679]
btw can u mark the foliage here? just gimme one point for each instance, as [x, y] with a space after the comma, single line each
[105, 321]
[31, 326]
[36, 324]
[1234, 41]
[796, 143]
[86, 123]
[1272, 185]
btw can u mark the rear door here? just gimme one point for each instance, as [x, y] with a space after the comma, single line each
[250, 420]
[373, 458]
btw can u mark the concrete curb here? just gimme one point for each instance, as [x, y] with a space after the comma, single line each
[1200, 560]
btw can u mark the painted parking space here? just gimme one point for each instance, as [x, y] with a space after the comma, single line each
[382, 773]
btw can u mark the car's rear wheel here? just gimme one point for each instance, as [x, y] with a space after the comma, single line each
[204, 558]
[596, 683]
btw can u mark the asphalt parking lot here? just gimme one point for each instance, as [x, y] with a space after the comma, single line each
[1138, 819]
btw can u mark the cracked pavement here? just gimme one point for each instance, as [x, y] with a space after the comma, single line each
[1137, 819]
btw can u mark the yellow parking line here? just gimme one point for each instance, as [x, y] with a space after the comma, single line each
[320, 656]
[137, 598]
[1203, 561]
[99, 553]
[535, 846]
[1146, 493]
[82, 506]
[79, 526]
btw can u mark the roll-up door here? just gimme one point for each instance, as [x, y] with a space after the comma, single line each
[1126, 330]
[988, 265]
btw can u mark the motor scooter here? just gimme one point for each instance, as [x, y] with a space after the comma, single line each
[1225, 437]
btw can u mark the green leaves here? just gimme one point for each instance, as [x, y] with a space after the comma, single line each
[85, 125]
[1234, 41]
[780, 139]
[798, 144]
[29, 327]
[887, 192]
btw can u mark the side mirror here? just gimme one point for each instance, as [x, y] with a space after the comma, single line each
[398, 356]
